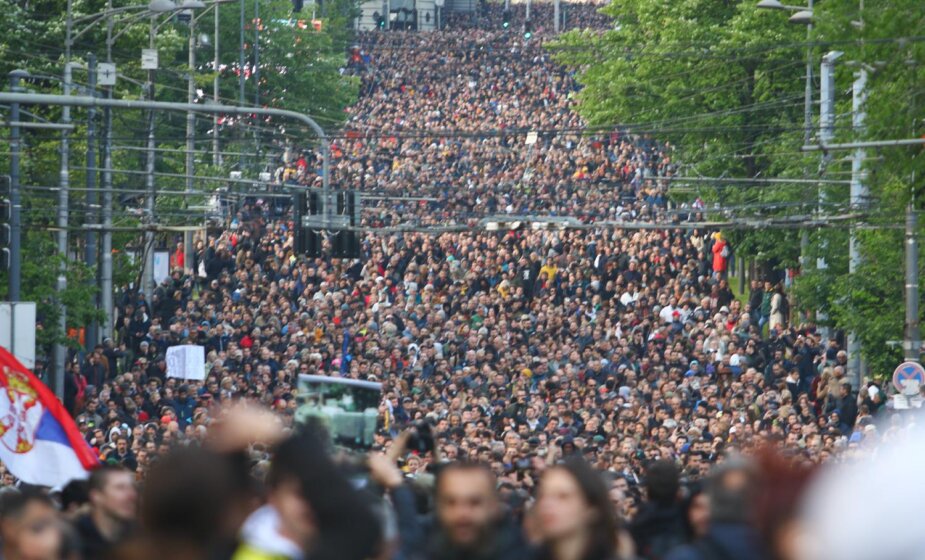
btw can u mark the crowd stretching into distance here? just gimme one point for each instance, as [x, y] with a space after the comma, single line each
[593, 393]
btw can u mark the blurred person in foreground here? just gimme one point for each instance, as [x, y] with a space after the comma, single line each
[113, 511]
[471, 521]
[312, 511]
[731, 491]
[30, 526]
[868, 509]
[659, 527]
[576, 518]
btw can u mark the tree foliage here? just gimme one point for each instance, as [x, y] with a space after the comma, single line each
[300, 70]
[723, 83]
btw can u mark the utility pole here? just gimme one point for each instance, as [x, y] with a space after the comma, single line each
[241, 60]
[190, 139]
[256, 73]
[826, 126]
[556, 15]
[64, 184]
[859, 197]
[147, 281]
[15, 281]
[807, 127]
[216, 157]
[912, 340]
[93, 195]
[106, 178]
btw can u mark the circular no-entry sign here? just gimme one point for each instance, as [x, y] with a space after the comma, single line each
[908, 372]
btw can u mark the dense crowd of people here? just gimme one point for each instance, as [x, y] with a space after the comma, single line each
[539, 359]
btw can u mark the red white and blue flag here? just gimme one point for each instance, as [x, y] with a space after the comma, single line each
[39, 442]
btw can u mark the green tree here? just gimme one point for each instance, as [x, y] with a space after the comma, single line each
[722, 82]
[300, 71]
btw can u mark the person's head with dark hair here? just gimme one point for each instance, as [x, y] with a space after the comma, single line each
[74, 496]
[317, 506]
[663, 480]
[112, 493]
[696, 506]
[30, 527]
[186, 497]
[468, 507]
[731, 489]
[113, 509]
[576, 517]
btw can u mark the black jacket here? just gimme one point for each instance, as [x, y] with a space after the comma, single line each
[657, 530]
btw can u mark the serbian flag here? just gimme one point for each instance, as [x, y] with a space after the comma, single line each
[39, 442]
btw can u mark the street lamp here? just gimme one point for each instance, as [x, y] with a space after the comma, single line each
[132, 14]
[777, 5]
[803, 17]
[439, 4]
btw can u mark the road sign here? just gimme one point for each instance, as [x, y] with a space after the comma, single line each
[908, 374]
[106, 74]
[149, 59]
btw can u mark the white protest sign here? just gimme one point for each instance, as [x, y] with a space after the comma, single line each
[186, 362]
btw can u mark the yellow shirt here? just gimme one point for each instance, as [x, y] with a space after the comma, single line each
[550, 270]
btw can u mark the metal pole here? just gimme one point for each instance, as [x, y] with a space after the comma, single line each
[216, 158]
[64, 181]
[147, 282]
[826, 127]
[858, 201]
[55, 100]
[241, 60]
[106, 176]
[15, 281]
[326, 183]
[556, 15]
[866, 144]
[257, 55]
[190, 139]
[912, 342]
[808, 97]
[93, 197]
[528, 11]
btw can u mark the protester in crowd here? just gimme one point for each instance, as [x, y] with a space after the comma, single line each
[311, 512]
[731, 491]
[113, 509]
[576, 518]
[471, 522]
[659, 527]
[30, 527]
[622, 347]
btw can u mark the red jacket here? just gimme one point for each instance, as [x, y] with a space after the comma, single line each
[719, 261]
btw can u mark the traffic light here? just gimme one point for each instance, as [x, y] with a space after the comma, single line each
[380, 20]
[297, 5]
[347, 242]
[6, 217]
[307, 239]
[506, 19]
[528, 29]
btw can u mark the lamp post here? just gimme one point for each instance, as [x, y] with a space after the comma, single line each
[191, 117]
[804, 16]
[106, 77]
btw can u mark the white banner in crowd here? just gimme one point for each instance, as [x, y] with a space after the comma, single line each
[187, 361]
